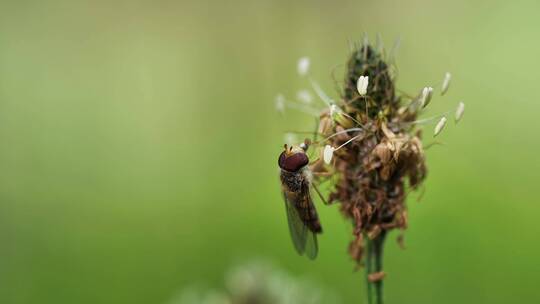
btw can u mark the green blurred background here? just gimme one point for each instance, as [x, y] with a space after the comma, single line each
[138, 146]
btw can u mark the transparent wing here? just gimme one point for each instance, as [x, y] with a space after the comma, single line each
[312, 247]
[297, 228]
[304, 240]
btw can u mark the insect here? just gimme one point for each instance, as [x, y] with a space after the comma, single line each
[296, 183]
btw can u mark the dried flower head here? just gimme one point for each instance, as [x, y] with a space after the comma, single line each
[379, 138]
[384, 150]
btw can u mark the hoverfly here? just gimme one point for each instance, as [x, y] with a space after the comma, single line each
[296, 182]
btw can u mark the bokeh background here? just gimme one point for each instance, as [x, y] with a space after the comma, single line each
[138, 146]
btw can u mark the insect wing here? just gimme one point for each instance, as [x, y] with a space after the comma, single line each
[304, 240]
[312, 247]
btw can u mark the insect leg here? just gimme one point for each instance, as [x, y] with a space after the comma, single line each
[320, 195]
[322, 173]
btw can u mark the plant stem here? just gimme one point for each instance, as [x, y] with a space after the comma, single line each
[369, 262]
[374, 264]
[378, 252]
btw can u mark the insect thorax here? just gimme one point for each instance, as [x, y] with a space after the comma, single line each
[295, 180]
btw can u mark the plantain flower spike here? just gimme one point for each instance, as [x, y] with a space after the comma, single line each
[381, 156]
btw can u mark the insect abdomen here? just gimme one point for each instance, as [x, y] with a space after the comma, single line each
[311, 218]
[296, 188]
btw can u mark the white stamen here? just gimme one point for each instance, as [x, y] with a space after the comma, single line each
[427, 92]
[362, 85]
[328, 153]
[334, 111]
[440, 126]
[342, 132]
[280, 103]
[290, 139]
[322, 95]
[303, 108]
[304, 96]
[446, 83]
[459, 111]
[348, 141]
[303, 66]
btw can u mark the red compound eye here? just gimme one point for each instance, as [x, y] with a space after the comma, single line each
[294, 162]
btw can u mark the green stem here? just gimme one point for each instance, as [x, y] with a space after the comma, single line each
[374, 264]
[369, 262]
[378, 252]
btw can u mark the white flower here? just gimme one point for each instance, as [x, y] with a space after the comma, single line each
[303, 66]
[280, 103]
[427, 92]
[304, 96]
[328, 153]
[446, 83]
[440, 126]
[459, 111]
[362, 85]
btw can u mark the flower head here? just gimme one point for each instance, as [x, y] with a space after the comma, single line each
[381, 153]
[362, 85]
